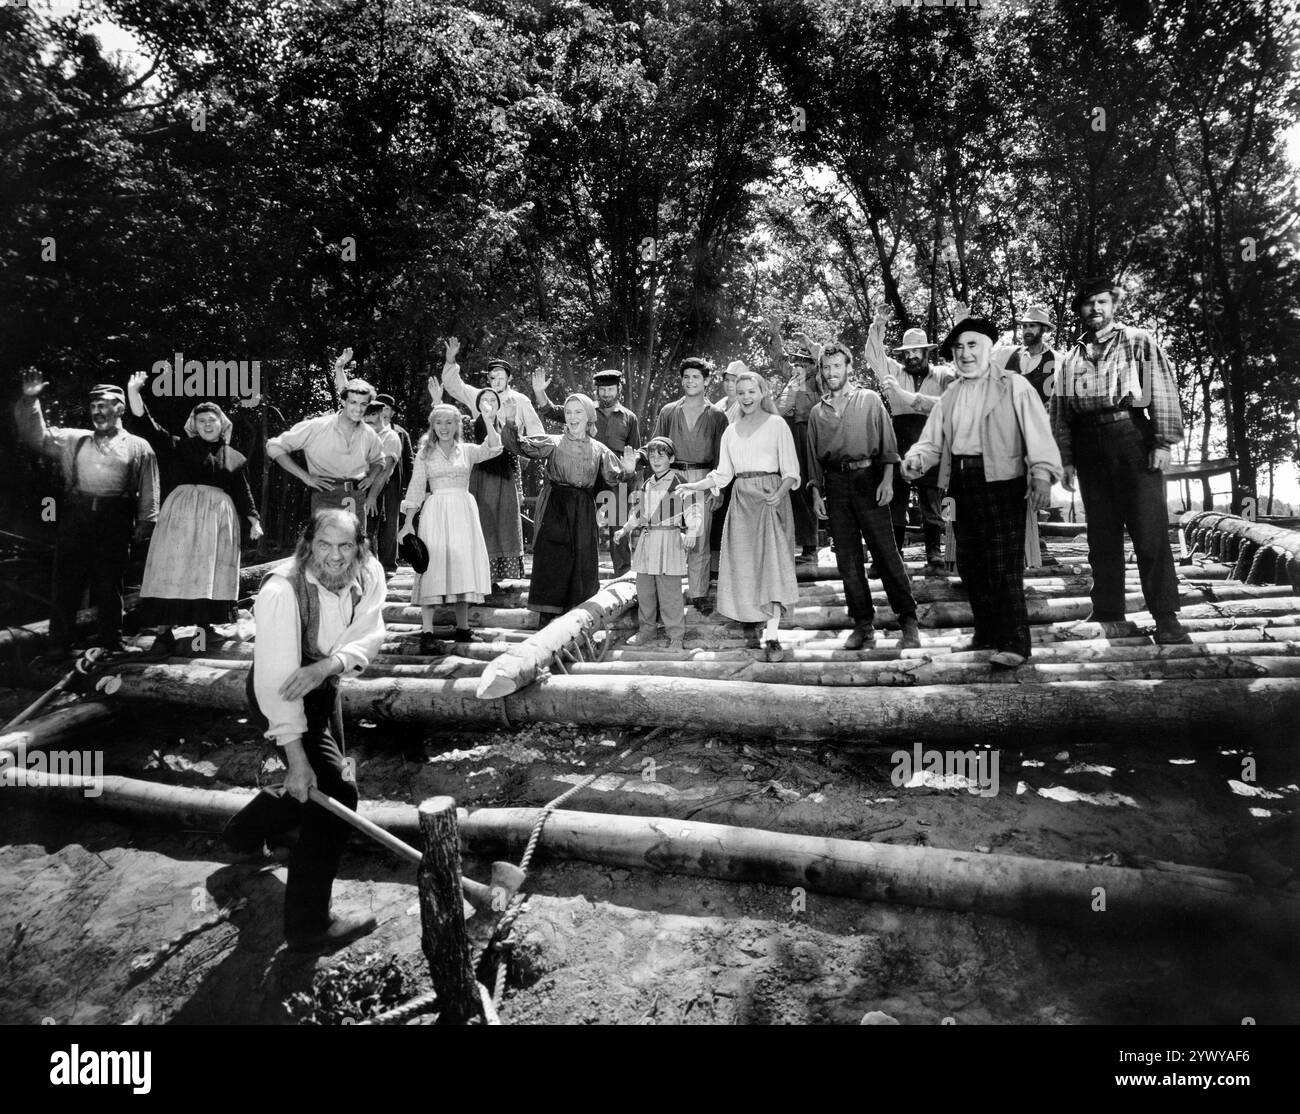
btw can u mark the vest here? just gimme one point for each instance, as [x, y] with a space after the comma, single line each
[1039, 376]
[309, 607]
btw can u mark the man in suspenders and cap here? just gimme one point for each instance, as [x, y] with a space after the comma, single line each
[110, 499]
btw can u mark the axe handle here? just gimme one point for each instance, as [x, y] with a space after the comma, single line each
[473, 890]
[40, 702]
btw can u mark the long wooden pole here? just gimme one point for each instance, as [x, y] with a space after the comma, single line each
[1161, 709]
[1004, 885]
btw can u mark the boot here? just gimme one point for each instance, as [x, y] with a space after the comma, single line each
[911, 639]
[340, 932]
[862, 637]
[1170, 632]
[934, 547]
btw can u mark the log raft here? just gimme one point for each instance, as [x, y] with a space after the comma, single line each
[1241, 674]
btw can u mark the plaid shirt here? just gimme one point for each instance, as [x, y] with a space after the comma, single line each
[1121, 367]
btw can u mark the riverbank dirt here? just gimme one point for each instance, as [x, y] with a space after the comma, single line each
[111, 921]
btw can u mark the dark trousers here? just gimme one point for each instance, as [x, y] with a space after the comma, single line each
[990, 529]
[1118, 493]
[620, 554]
[856, 517]
[314, 861]
[94, 547]
[929, 497]
[390, 505]
[805, 518]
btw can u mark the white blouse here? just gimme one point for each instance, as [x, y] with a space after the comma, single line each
[769, 448]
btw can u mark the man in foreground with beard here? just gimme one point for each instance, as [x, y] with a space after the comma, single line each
[319, 617]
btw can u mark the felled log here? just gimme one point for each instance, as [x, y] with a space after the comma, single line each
[54, 727]
[1263, 553]
[1001, 885]
[1157, 709]
[943, 671]
[520, 665]
[1013, 886]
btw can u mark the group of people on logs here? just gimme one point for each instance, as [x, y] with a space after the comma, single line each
[728, 495]
[977, 428]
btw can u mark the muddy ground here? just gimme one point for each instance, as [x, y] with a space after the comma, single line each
[111, 921]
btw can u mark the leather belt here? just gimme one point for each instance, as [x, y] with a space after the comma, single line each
[339, 485]
[754, 475]
[682, 465]
[962, 463]
[849, 465]
[1105, 417]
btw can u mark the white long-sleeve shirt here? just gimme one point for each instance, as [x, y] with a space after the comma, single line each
[352, 636]
[769, 448]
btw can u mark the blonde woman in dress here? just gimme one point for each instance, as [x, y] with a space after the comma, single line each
[756, 578]
[459, 572]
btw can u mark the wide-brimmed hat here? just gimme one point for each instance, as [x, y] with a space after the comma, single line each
[968, 325]
[1036, 315]
[914, 338]
[799, 352]
[1098, 284]
[414, 553]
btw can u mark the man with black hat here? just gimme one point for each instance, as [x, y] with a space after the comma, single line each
[397, 480]
[695, 427]
[992, 441]
[500, 373]
[911, 389]
[617, 428]
[794, 404]
[110, 500]
[1115, 416]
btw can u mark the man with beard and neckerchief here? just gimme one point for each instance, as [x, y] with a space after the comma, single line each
[617, 428]
[695, 427]
[992, 441]
[110, 500]
[319, 618]
[911, 389]
[795, 402]
[1115, 416]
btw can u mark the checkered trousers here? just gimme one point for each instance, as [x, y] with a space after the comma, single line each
[990, 531]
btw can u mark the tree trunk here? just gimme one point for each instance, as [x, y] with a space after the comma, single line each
[1153, 709]
[55, 727]
[521, 664]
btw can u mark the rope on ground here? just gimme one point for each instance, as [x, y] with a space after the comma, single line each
[499, 941]
[400, 1015]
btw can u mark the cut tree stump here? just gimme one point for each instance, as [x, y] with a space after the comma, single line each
[443, 936]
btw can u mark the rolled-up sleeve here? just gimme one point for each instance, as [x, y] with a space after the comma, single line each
[1166, 411]
[277, 652]
[361, 641]
[882, 430]
[292, 439]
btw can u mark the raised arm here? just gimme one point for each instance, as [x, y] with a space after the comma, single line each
[140, 422]
[32, 430]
